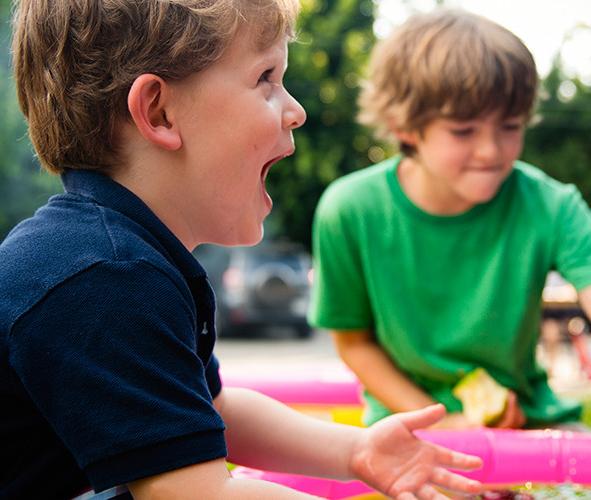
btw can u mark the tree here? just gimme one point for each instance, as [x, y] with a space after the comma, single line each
[325, 67]
[559, 142]
[22, 186]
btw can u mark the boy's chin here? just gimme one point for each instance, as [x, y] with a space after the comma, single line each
[246, 239]
[483, 195]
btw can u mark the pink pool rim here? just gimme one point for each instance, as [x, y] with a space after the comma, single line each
[509, 456]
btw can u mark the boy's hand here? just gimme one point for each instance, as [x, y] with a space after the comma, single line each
[513, 416]
[393, 461]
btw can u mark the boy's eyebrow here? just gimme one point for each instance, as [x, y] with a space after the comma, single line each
[468, 121]
[458, 121]
[271, 60]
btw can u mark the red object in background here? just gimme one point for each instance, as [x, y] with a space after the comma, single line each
[577, 328]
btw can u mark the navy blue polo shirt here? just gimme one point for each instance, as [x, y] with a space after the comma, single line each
[106, 336]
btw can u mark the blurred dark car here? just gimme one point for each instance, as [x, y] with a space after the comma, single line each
[563, 318]
[258, 288]
[564, 321]
[560, 299]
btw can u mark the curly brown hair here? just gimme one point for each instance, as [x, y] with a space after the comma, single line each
[75, 61]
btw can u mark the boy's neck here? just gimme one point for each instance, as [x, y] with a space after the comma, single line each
[427, 193]
[149, 173]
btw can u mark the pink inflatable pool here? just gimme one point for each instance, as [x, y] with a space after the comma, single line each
[307, 385]
[510, 456]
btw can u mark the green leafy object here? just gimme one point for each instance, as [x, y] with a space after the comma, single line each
[586, 415]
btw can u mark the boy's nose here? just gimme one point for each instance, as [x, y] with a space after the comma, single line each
[488, 148]
[294, 114]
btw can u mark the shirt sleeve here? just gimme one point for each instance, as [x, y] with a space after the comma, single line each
[339, 295]
[212, 375]
[573, 240]
[109, 359]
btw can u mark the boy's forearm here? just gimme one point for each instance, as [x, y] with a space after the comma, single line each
[269, 435]
[378, 373]
[266, 434]
[209, 481]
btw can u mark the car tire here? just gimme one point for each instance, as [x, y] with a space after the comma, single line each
[303, 332]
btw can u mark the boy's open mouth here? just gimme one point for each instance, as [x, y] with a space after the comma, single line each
[267, 166]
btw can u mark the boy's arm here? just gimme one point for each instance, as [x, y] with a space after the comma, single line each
[265, 434]
[359, 351]
[209, 481]
[385, 381]
[395, 390]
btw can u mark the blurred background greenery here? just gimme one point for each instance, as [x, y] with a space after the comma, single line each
[325, 68]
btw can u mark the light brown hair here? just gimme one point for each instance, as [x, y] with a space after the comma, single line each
[75, 61]
[446, 64]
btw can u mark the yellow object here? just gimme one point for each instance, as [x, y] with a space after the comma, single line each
[484, 400]
[343, 414]
[350, 415]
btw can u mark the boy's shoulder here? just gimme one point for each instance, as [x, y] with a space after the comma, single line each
[66, 237]
[362, 187]
[531, 179]
[367, 176]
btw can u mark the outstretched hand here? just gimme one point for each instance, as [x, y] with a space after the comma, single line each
[392, 460]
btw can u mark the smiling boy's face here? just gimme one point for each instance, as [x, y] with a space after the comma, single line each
[236, 120]
[459, 164]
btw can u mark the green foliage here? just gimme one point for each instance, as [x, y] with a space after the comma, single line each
[4, 9]
[326, 65]
[559, 143]
[325, 68]
[22, 186]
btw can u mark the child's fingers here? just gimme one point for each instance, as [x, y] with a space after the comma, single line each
[508, 415]
[456, 459]
[517, 416]
[440, 478]
[406, 496]
[513, 417]
[427, 492]
[451, 481]
[420, 419]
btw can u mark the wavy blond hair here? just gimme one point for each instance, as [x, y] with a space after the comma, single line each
[446, 64]
[75, 61]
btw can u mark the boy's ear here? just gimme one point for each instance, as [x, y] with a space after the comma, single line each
[147, 101]
[406, 137]
[403, 136]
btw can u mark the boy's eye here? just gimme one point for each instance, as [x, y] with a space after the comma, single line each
[266, 76]
[462, 132]
[512, 126]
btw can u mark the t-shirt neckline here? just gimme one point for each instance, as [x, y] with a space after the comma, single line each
[405, 203]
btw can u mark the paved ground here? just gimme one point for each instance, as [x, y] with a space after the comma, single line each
[277, 351]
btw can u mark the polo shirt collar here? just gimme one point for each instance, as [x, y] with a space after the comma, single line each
[106, 192]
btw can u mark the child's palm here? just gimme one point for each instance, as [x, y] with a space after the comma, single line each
[392, 460]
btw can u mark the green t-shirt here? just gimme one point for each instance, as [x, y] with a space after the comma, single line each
[447, 294]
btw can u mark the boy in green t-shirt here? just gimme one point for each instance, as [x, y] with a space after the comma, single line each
[432, 264]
